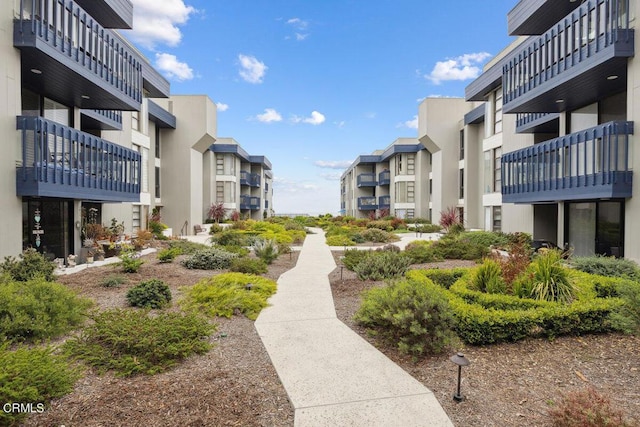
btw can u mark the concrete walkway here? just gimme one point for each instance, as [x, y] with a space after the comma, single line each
[334, 377]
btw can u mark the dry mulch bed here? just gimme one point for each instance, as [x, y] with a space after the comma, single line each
[234, 384]
[511, 384]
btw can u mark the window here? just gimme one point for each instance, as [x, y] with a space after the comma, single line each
[399, 169]
[157, 182]
[405, 192]
[135, 217]
[411, 191]
[497, 108]
[411, 164]
[497, 170]
[145, 168]
[219, 192]
[157, 142]
[135, 120]
[461, 185]
[497, 218]
[57, 112]
[462, 144]
[461, 214]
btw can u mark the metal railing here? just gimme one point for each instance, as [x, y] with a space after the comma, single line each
[598, 156]
[73, 33]
[384, 178]
[384, 201]
[367, 180]
[367, 203]
[250, 179]
[592, 27]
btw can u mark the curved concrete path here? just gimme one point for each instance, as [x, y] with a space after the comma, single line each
[334, 377]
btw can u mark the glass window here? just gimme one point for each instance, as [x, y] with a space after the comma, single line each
[488, 171]
[498, 111]
[497, 170]
[57, 112]
[135, 217]
[158, 133]
[462, 144]
[157, 182]
[461, 184]
[497, 218]
[135, 120]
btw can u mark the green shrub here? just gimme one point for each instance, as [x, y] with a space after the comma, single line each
[209, 259]
[186, 247]
[231, 237]
[249, 266]
[352, 257]
[415, 317]
[131, 262]
[226, 293]
[550, 278]
[241, 251]
[32, 375]
[378, 236]
[339, 240]
[485, 238]
[131, 342]
[586, 408]
[156, 227]
[425, 228]
[444, 278]
[153, 293]
[452, 248]
[38, 309]
[607, 266]
[215, 228]
[30, 265]
[488, 278]
[627, 318]
[381, 225]
[168, 254]
[421, 251]
[382, 265]
[112, 281]
[266, 250]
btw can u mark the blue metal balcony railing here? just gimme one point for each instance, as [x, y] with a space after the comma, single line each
[72, 36]
[250, 179]
[384, 178]
[384, 202]
[593, 163]
[59, 161]
[580, 37]
[113, 115]
[367, 203]
[249, 202]
[367, 180]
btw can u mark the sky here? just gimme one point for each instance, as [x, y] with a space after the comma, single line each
[314, 84]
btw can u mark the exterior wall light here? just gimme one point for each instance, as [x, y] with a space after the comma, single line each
[461, 361]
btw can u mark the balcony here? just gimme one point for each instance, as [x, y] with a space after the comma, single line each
[112, 13]
[59, 161]
[249, 179]
[367, 180]
[367, 204]
[590, 164]
[531, 17]
[537, 123]
[69, 57]
[101, 119]
[384, 178]
[249, 202]
[384, 202]
[573, 63]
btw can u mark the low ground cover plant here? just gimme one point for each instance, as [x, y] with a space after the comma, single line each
[248, 266]
[186, 247]
[32, 375]
[227, 293]
[131, 261]
[29, 265]
[37, 310]
[168, 254]
[381, 265]
[209, 259]
[586, 408]
[151, 293]
[607, 266]
[131, 342]
[415, 317]
[112, 281]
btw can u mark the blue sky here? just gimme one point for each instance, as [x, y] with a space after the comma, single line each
[314, 84]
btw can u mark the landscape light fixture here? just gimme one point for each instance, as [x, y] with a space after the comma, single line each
[341, 266]
[461, 361]
[248, 286]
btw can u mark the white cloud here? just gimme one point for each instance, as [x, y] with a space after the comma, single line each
[315, 118]
[331, 176]
[298, 23]
[340, 124]
[301, 37]
[270, 115]
[170, 66]
[333, 164]
[419, 100]
[156, 22]
[459, 68]
[370, 115]
[292, 186]
[222, 106]
[411, 124]
[251, 69]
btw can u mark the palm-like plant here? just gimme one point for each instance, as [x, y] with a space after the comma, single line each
[550, 278]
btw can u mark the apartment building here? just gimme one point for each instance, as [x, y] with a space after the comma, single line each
[67, 75]
[392, 181]
[242, 182]
[91, 131]
[560, 104]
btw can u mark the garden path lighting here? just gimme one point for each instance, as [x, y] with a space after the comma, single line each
[461, 361]
[248, 286]
[341, 266]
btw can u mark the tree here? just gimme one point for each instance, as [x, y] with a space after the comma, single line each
[217, 212]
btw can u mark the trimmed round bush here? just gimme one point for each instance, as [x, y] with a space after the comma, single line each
[414, 316]
[152, 293]
[339, 240]
[209, 259]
